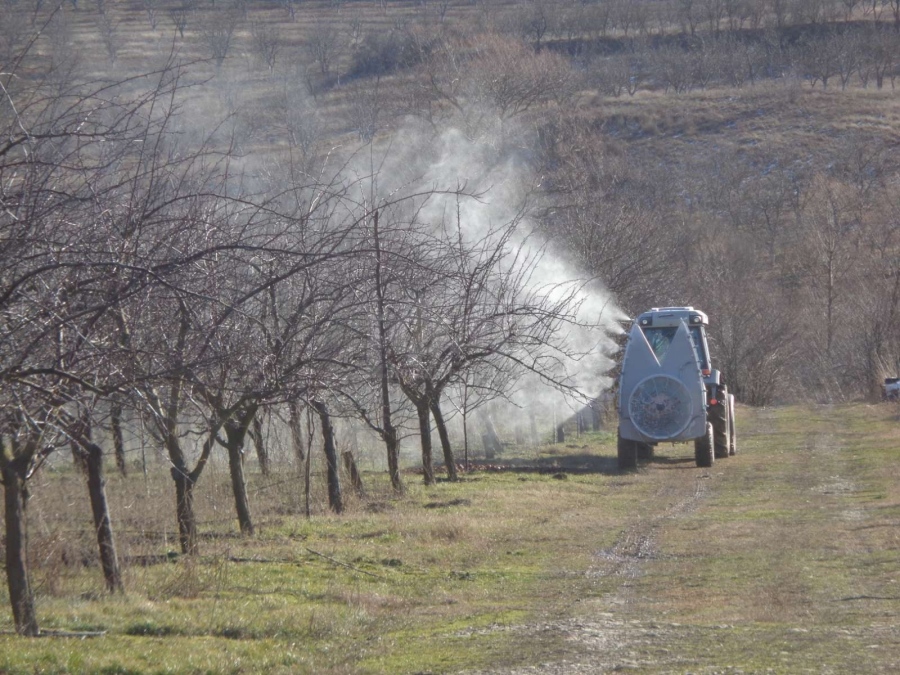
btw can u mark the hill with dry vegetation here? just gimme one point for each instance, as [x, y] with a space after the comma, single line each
[736, 156]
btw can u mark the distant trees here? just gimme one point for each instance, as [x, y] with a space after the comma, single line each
[323, 45]
[492, 78]
[266, 43]
[218, 34]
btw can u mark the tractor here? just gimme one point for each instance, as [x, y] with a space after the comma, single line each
[669, 391]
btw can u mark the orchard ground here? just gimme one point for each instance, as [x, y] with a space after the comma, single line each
[783, 558]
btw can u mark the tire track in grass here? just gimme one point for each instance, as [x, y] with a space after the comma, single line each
[607, 638]
[808, 512]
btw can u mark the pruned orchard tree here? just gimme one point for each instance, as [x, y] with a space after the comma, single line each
[481, 311]
[84, 188]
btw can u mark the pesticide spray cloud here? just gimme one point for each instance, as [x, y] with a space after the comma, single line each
[508, 194]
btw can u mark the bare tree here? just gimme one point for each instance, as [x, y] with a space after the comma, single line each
[152, 8]
[895, 10]
[179, 16]
[880, 56]
[80, 176]
[322, 45]
[366, 103]
[290, 7]
[820, 59]
[218, 34]
[535, 21]
[266, 43]
[850, 6]
[828, 217]
[107, 28]
[673, 69]
[493, 78]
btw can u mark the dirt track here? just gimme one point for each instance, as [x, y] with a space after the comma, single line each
[610, 637]
[781, 559]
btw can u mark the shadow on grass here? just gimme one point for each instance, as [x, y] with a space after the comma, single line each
[549, 464]
[674, 462]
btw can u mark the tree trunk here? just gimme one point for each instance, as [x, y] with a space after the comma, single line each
[234, 445]
[449, 459]
[102, 523]
[91, 459]
[829, 328]
[393, 456]
[388, 432]
[353, 472]
[118, 438]
[262, 453]
[595, 415]
[307, 469]
[184, 510]
[335, 496]
[297, 432]
[465, 423]
[492, 445]
[424, 415]
[20, 596]
[78, 457]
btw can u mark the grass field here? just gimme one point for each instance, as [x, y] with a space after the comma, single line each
[782, 559]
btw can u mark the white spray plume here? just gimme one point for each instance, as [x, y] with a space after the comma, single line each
[418, 159]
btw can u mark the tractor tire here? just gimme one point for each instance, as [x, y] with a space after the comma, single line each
[627, 453]
[718, 417]
[704, 448]
[732, 433]
[644, 451]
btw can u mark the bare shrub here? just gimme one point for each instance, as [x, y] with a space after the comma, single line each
[266, 43]
[218, 34]
[323, 45]
[380, 53]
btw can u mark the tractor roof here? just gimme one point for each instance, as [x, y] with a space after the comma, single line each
[672, 316]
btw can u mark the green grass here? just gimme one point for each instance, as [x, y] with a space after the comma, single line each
[785, 560]
[791, 565]
[422, 583]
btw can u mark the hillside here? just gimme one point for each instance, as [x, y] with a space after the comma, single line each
[671, 151]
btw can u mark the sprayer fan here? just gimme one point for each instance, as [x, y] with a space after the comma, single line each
[660, 407]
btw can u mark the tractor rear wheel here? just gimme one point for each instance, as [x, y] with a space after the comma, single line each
[627, 453]
[704, 452]
[732, 434]
[718, 417]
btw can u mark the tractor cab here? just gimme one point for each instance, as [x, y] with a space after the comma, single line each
[659, 325]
